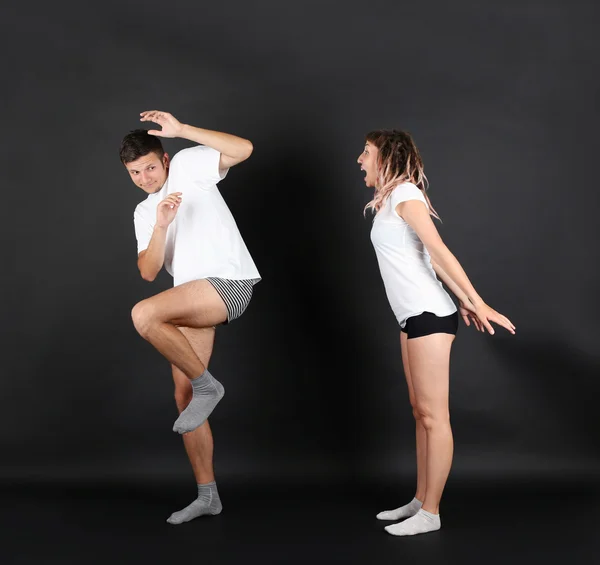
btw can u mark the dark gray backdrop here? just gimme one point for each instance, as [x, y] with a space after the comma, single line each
[501, 99]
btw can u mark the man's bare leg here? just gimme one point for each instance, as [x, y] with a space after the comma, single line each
[199, 448]
[195, 304]
[198, 443]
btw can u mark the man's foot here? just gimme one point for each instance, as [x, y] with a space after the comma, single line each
[207, 391]
[207, 503]
[405, 511]
[421, 523]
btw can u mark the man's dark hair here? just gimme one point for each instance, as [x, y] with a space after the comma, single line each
[138, 143]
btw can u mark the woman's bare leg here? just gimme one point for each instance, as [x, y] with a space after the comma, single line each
[429, 361]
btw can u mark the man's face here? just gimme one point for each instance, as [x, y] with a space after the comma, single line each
[368, 163]
[149, 172]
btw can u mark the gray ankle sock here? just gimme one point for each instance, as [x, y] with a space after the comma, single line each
[207, 391]
[207, 503]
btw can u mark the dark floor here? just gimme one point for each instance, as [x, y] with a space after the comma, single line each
[519, 523]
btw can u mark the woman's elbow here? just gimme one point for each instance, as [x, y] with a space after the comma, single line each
[439, 253]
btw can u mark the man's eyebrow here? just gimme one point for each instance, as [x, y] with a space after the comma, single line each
[138, 170]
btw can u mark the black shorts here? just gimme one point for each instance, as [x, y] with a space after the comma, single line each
[428, 323]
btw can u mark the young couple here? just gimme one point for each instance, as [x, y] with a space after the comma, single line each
[185, 225]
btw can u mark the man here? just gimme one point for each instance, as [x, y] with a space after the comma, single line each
[185, 225]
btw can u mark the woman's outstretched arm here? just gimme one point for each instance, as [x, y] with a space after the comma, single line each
[466, 309]
[416, 215]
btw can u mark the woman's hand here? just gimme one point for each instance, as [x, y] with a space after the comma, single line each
[467, 311]
[485, 314]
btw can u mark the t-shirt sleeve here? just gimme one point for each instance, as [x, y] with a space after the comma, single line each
[143, 231]
[404, 192]
[201, 165]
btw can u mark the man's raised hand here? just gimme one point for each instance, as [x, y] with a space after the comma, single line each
[171, 126]
[167, 209]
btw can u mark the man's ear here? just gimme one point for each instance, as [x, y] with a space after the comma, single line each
[166, 160]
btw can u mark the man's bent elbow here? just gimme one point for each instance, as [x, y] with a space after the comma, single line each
[148, 276]
[248, 148]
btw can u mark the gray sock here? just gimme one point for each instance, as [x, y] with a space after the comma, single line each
[207, 503]
[207, 391]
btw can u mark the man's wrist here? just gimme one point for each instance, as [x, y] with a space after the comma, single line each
[185, 132]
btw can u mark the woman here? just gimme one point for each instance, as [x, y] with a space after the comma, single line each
[410, 253]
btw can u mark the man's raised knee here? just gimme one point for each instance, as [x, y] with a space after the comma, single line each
[142, 316]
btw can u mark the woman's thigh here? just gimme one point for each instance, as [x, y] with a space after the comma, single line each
[429, 370]
[406, 366]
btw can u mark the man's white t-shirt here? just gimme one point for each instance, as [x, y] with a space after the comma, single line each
[203, 240]
[410, 282]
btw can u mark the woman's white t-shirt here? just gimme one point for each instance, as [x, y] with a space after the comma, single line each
[410, 282]
[203, 240]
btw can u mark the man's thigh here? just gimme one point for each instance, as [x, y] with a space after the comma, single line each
[195, 304]
[202, 341]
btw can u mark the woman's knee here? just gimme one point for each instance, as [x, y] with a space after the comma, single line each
[415, 410]
[431, 418]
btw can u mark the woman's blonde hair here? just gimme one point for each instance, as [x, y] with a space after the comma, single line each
[398, 161]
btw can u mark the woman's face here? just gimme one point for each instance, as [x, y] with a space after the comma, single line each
[368, 163]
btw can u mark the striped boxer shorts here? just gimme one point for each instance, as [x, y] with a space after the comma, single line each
[235, 293]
